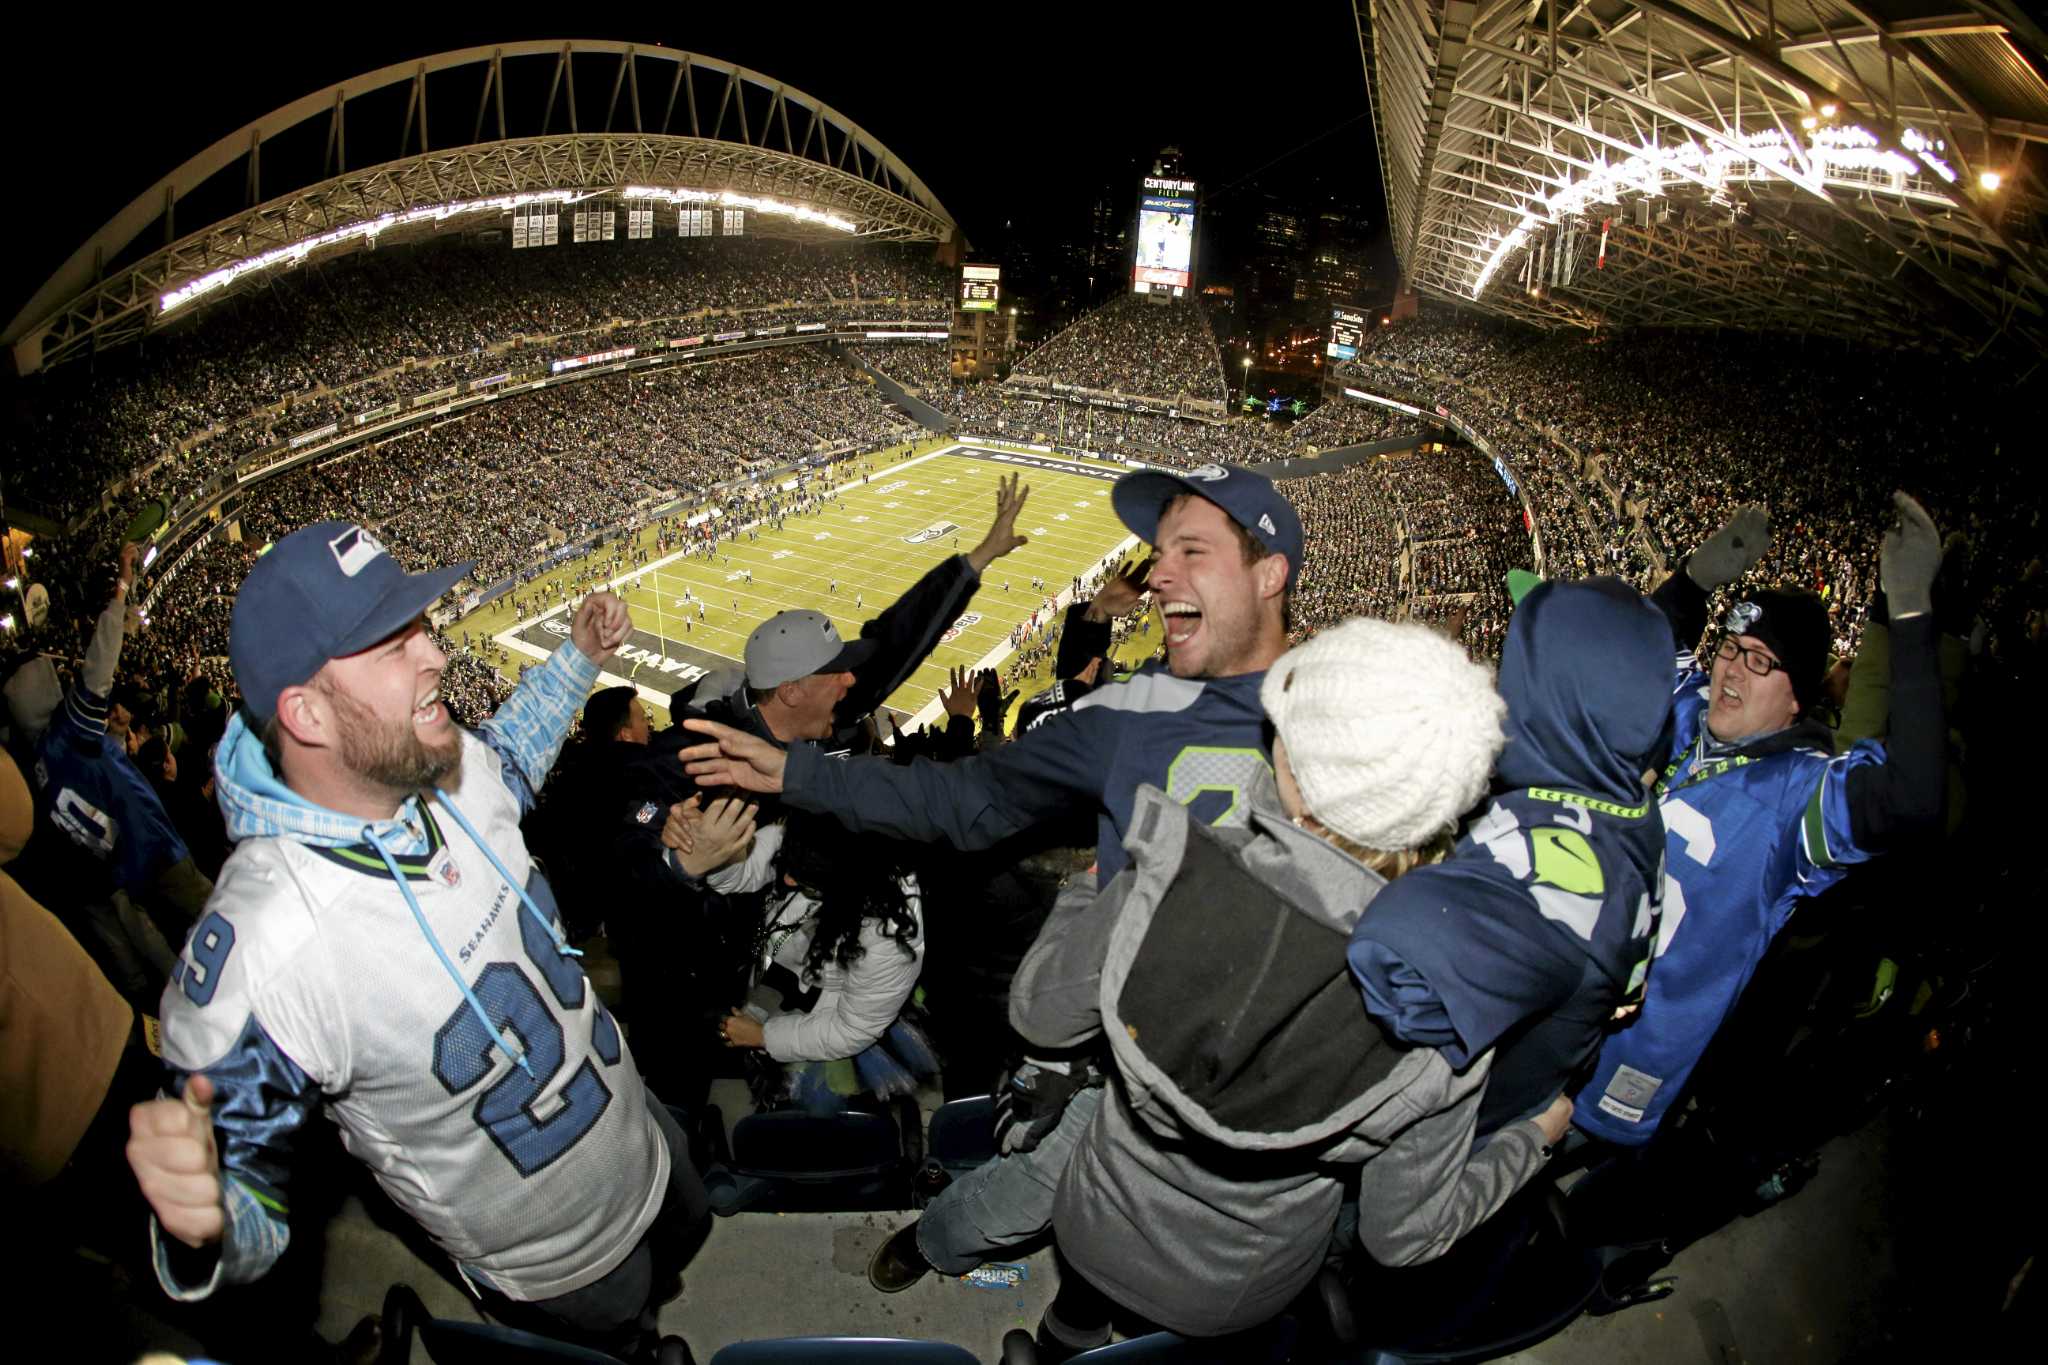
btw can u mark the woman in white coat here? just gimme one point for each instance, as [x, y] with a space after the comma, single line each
[846, 920]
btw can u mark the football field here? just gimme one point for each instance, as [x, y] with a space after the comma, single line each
[854, 557]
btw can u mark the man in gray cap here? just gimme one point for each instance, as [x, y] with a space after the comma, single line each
[802, 682]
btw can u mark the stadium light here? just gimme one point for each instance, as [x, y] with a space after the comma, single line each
[1827, 111]
[1989, 181]
[369, 228]
[753, 203]
[7, 622]
[1765, 155]
[13, 585]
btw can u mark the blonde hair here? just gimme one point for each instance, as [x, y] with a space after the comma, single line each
[1389, 863]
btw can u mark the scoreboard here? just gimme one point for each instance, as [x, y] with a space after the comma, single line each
[1347, 329]
[980, 288]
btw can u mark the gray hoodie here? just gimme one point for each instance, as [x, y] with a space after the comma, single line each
[1248, 1077]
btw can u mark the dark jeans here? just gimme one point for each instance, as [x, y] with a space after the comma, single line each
[616, 1314]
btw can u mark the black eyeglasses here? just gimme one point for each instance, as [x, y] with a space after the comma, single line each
[1755, 660]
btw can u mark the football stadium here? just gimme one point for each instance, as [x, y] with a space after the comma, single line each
[1348, 690]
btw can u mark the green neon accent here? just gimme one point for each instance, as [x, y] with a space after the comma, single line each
[1590, 803]
[1173, 788]
[368, 860]
[276, 1206]
[1566, 860]
[1817, 830]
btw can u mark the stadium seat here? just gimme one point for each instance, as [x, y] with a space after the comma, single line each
[787, 1161]
[962, 1135]
[1514, 1281]
[1271, 1345]
[835, 1350]
[452, 1342]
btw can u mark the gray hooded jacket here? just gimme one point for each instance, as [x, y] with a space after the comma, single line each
[1248, 1077]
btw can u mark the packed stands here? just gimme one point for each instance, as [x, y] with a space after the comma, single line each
[1134, 346]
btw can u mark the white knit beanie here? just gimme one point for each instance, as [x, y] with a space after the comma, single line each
[1391, 731]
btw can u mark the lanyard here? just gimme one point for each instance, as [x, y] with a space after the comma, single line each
[1704, 773]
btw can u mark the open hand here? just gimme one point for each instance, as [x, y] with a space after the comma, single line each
[1909, 559]
[958, 698]
[1731, 551]
[733, 758]
[1119, 596]
[1002, 534]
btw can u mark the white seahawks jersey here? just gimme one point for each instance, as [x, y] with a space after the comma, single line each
[310, 979]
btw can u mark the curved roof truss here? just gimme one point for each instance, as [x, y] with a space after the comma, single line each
[1797, 165]
[674, 120]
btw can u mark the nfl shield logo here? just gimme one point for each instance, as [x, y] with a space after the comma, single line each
[445, 871]
[645, 815]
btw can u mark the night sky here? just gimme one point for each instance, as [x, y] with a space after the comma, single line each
[1015, 116]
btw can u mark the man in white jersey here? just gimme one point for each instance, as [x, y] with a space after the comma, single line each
[380, 942]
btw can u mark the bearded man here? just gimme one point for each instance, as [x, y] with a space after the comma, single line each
[381, 943]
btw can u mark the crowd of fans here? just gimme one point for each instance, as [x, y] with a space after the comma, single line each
[1424, 535]
[923, 369]
[509, 479]
[1664, 435]
[1138, 346]
[1355, 564]
[172, 413]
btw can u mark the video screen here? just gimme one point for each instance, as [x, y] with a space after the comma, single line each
[1166, 240]
[1347, 327]
[979, 288]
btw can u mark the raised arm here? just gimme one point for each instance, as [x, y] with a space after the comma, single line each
[528, 730]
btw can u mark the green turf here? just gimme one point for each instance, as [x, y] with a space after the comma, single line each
[859, 542]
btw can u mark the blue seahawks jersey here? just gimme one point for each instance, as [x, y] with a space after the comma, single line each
[1203, 741]
[116, 832]
[1745, 840]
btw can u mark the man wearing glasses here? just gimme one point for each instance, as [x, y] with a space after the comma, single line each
[1759, 811]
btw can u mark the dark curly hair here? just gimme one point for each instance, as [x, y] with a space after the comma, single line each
[855, 879]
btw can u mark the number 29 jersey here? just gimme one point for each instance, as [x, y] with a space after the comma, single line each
[310, 979]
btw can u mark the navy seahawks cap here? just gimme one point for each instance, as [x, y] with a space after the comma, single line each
[322, 592]
[1248, 498]
[795, 644]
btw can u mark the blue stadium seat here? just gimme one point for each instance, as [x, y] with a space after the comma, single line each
[787, 1161]
[834, 1350]
[452, 1342]
[1272, 1344]
[962, 1135]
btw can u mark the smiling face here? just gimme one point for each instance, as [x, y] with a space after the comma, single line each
[1223, 615]
[384, 715]
[1743, 705]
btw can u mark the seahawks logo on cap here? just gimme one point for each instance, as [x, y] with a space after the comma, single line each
[1208, 473]
[354, 549]
[1741, 617]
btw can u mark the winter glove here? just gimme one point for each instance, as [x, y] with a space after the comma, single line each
[1031, 1099]
[1731, 551]
[1909, 560]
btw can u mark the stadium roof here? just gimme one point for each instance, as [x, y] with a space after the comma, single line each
[674, 121]
[1864, 168]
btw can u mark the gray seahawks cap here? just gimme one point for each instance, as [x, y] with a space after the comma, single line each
[795, 644]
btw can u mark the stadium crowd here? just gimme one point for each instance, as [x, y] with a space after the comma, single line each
[802, 921]
[167, 417]
[1135, 346]
[1679, 429]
